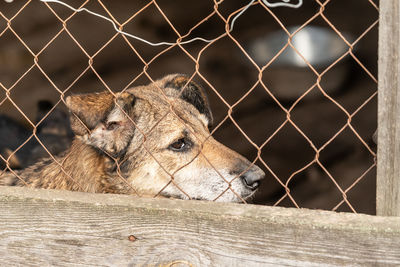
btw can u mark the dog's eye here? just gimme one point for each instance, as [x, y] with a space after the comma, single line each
[178, 145]
[112, 125]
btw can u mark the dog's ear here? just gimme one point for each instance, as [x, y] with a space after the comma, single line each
[189, 91]
[102, 120]
[88, 110]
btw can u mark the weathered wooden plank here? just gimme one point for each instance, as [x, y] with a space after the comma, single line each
[388, 170]
[60, 228]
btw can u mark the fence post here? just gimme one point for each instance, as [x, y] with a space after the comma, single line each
[388, 170]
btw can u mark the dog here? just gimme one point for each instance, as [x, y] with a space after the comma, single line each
[151, 140]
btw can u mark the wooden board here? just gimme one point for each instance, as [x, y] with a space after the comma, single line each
[388, 171]
[59, 228]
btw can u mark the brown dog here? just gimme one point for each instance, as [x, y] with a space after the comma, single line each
[149, 140]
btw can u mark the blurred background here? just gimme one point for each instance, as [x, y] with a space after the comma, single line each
[235, 70]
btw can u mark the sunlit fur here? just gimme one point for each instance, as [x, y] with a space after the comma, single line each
[128, 149]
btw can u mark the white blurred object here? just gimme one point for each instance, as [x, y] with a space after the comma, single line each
[320, 46]
[289, 75]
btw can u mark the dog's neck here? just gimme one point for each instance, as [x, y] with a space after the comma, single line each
[81, 168]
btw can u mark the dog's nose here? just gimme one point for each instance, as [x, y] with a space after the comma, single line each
[252, 177]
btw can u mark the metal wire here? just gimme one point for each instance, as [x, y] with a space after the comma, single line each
[229, 23]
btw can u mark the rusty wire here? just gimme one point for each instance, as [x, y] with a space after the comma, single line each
[196, 61]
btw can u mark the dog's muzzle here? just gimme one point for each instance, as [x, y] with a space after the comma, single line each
[252, 177]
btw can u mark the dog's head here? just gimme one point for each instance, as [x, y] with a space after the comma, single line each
[159, 136]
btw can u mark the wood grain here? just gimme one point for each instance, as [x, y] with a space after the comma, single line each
[60, 228]
[388, 171]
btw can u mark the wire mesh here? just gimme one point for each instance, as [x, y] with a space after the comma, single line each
[222, 16]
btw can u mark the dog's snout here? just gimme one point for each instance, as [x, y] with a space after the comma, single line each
[250, 181]
[252, 177]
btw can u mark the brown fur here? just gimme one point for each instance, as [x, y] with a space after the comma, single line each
[127, 144]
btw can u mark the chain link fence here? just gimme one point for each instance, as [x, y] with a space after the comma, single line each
[307, 124]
